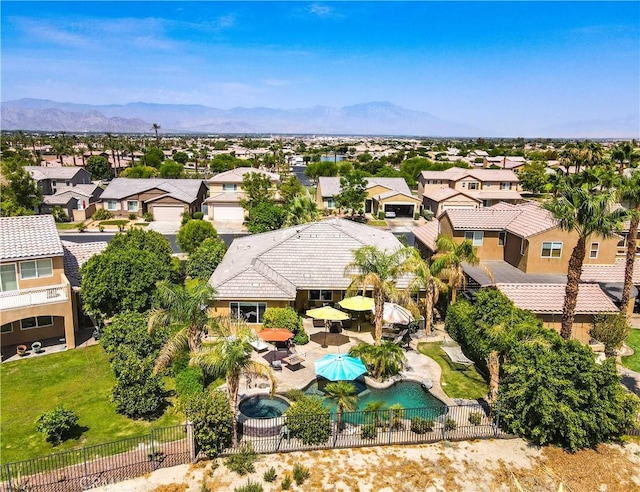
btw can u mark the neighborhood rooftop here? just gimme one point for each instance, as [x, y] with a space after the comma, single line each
[76, 255]
[30, 236]
[457, 173]
[330, 186]
[185, 190]
[237, 175]
[43, 172]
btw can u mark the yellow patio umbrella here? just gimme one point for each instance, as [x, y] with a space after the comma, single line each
[328, 314]
[357, 303]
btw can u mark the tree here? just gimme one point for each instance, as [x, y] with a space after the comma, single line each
[288, 319]
[343, 393]
[265, 217]
[382, 361]
[155, 127]
[203, 261]
[20, 193]
[353, 192]
[630, 194]
[587, 211]
[257, 188]
[309, 420]
[300, 210]
[449, 259]
[533, 176]
[57, 424]
[181, 157]
[213, 421]
[425, 281]
[123, 277]
[377, 270]
[193, 233]
[316, 169]
[612, 330]
[99, 167]
[139, 172]
[129, 329]
[185, 310]
[625, 155]
[170, 170]
[291, 188]
[153, 157]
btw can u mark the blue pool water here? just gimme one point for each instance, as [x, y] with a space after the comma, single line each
[263, 407]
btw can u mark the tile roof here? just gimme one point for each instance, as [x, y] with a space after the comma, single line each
[330, 186]
[612, 273]
[31, 236]
[58, 199]
[456, 173]
[44, 172]
[76, 254]
[427, 234]
[236, 175]
[390, 193]
[275, 264]
[185, 190]
[495, 195]
[549, 298]
[440, 194]
[478, 219]
[225, 197]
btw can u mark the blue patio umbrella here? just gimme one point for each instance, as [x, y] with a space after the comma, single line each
[338, 367]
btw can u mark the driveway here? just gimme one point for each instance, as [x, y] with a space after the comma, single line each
[164, 227]
[402, 225]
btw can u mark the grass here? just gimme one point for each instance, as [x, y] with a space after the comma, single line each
[633, 361]
[65, 226]
[377, 223]
[81, 379]
[468, 384]
[116, 222]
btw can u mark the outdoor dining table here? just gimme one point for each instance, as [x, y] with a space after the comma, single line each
[293, 360]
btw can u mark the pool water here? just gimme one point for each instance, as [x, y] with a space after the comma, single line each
[263, 407]
[409, 394]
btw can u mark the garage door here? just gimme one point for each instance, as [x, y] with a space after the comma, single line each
[227, 212]
[400, 210]
[167, 213]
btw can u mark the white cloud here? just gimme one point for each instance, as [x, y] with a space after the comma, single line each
[320, 10]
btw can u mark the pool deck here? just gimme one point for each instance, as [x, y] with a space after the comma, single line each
[418, 367]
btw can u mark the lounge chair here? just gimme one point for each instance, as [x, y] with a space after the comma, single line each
[277, 365]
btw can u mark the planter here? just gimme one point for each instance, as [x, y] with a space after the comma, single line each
[21, 350]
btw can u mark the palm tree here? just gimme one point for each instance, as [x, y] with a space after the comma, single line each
[379, 271]
[587, 211]
[630, 194]
[184, 308]
[449, 259]
[427, 282]
[230, 356]
[300, 210]
[344, 395]
[624, 154]
[386, 359]
[155, 127]
[375, 407]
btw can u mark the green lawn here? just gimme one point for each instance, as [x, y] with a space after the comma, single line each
[65, 226]
[116, 222]
[633, 361]
[468, 384]
[81, 379]
[377, 223]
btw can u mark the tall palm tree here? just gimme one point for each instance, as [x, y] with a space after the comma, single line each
[344, 395]
[587, 211]
[377, 270]
[425, 281]
[155, 127]
[624, 155]
[630, 194]
[185, 309]
[230, 356]
[449, 259]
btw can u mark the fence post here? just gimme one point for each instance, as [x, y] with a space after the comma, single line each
[497, 422]
[86, 468]
[191, 442]
[9, 477]
[444, 423]
[152, 454]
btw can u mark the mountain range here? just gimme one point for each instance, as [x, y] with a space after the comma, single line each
[372, 118]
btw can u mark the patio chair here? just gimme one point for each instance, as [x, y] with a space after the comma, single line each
[276, 364]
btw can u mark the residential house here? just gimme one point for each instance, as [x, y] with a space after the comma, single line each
[301, 267]
[467, 188]
[36, 296]
[226, 193]
[383, 194]
[513, 163]
[527, 252]
[166, 199]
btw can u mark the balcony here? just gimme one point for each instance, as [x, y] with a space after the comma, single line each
[16, 299]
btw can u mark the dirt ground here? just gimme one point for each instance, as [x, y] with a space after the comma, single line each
[491, 465]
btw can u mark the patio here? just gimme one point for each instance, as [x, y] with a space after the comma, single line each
[84, 338]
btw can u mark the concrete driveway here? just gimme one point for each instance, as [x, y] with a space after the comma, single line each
[164, 227]
[402, 225]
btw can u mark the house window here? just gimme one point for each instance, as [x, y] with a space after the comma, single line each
[112, 205]
[36, 269]
[464, 185]
[593, 250]
[623, 241]
[476, 237]
[8, 279]
[321, 295]
[36, 322]
[551, 249]
[473, 186]
[502, 238]
[6, 328]
[251, 312]
[132, 205]
[54, 182]
[331, 203]
[505, 186]
[229, 187]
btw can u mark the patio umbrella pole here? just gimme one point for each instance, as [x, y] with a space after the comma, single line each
[326, 322]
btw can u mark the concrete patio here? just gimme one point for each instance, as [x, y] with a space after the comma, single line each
[84, 338]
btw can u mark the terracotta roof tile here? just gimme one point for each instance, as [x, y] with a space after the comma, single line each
[30, 236]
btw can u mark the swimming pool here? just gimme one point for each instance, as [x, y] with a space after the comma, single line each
[263, 407]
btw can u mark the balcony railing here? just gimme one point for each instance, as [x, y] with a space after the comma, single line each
[15, 299]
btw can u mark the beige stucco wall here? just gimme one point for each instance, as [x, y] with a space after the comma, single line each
[222, 307]
[302, 302]
[582, 324]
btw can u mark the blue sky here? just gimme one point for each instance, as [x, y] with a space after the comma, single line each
[502, 65]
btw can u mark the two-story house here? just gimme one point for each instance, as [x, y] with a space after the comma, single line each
[383, 194]
[528, 256]
[226, 193]
[166, 199]
[457, 188]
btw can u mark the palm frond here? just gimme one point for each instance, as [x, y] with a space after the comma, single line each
[173, 346]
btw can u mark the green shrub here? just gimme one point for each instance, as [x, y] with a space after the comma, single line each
[189, 381]
[101, 228]
[132, 216]
[381, 215]
[242, 462]
[186, 217]
[116, 222]
[294, 394]
[249, 487]
[475, 418]
[286, 482]
[192, 234]
[420, 425]
[450, 424]
[369, 431]
[300, 473]
[212, 420]
[81, 227]
[148, 217]
[102, 214]
[416, 216]
[56, 424]
[270, 475]
[286, 318]
[198, 215]
[309, 420]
